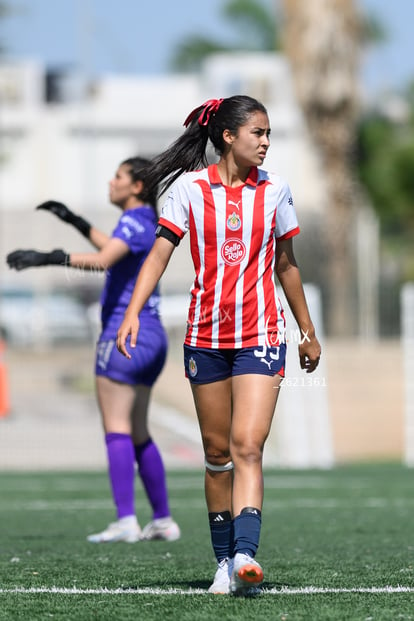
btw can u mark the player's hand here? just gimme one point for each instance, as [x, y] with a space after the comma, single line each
[129, 327]
[66, 215]
[309, 353]
[22, 259]
[58, 209]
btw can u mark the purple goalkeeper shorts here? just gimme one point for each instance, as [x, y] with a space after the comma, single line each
[148, 357]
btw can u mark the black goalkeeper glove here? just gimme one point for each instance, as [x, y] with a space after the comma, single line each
[22, 259]
[64, 213]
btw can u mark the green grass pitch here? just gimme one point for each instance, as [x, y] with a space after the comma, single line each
[335, 545]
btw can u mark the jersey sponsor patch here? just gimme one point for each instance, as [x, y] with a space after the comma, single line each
[233, 251]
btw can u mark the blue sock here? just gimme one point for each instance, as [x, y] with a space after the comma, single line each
[221, 530]
[247, 527]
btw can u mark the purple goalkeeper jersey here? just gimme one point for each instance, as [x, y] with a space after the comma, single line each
[136, 227]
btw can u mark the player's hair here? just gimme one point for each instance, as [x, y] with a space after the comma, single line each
[188, 152]
[137, 170]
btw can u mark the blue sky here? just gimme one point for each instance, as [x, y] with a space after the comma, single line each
[138, 36]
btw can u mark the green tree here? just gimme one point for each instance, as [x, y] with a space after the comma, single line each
[386, 168]
[255, 27]
[385, 164]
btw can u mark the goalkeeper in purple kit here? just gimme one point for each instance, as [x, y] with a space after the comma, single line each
[123, 389]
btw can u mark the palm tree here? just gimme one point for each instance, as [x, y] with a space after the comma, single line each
[322, 42]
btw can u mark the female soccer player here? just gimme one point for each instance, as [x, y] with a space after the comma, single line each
[241, 222]
[123, 389]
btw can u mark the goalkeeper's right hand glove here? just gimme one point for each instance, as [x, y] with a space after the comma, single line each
[64, 213]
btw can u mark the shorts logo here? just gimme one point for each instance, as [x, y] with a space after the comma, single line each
[192, 367]
[263, 353]
[103, 353]
[233, 251]
[234, 222]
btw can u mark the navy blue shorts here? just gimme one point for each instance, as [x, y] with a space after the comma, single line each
[148, 358]
[203, 366]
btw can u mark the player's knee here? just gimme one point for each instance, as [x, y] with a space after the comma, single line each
[219, 467]
[247, 451]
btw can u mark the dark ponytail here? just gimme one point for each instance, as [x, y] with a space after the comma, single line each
[188, 152]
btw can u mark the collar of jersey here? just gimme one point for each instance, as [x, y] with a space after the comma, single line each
[214, 176]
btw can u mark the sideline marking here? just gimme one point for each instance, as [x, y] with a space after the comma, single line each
[294, 503]
[310, 590]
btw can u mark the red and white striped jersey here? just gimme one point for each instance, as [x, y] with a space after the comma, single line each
[233, 236]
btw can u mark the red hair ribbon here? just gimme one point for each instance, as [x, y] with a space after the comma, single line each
[206, 110]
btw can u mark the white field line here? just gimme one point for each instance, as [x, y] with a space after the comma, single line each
[294, 503]
[68, 483]
[309, 590]
[294, 481]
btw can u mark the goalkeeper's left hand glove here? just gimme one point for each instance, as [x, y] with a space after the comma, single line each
[22, 259]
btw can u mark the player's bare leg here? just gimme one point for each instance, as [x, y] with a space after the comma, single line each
[213, 405]
[254, 402]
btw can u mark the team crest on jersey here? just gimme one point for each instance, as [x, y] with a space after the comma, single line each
[192, 367]
[233, 251]
[234, 222]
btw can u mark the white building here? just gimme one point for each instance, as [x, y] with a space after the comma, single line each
[68, 148]
[63, 138]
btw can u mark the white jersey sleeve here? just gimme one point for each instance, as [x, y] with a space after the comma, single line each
[175, 211]
[286, 219]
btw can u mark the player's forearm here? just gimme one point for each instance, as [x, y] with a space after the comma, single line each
[291, 282]
[98, 238]
[87, 261]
